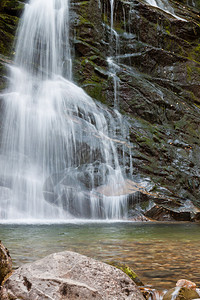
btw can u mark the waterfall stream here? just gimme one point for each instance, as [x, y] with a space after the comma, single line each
[58, 152]
[165, 6]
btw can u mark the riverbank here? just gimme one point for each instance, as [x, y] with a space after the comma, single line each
[160, 253]
[69, 275]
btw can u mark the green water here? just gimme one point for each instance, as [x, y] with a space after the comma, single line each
[160, 253]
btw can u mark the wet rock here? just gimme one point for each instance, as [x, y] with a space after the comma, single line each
[160, 213]
[181, 293]
[186, 283]
[150, 293]
[72, 188]
[9, 12]
[158, 75]
[67, 191]
[69, 275]
[5, 262]
[196, 217]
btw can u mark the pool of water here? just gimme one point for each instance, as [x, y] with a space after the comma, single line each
[159, 253]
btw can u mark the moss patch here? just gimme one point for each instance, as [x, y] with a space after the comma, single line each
[127, 270]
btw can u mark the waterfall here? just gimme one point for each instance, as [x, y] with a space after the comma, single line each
[165, 6]
[58, 154]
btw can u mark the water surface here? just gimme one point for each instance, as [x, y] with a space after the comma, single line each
[159, 253]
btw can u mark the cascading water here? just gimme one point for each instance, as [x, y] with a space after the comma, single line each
[57, 150]
[165, 6]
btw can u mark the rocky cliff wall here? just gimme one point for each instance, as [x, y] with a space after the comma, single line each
[156, 71]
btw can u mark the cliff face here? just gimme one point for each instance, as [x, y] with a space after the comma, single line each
[152, 76]
[155, 68]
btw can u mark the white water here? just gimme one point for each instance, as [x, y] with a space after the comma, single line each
[165, 6]
[52, 127]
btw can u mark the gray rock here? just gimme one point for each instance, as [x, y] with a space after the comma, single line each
[69, 275]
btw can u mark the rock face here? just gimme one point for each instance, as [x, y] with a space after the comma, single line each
[155, 69]
[69, 275]
[5, 263]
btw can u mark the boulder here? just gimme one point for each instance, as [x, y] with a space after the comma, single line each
[181, 293]
[5, 262]
[186, 283]
[69, 275]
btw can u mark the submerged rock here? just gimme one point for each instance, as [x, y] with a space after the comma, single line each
[69, 275]
[5, 262]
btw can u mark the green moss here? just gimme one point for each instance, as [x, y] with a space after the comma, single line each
[194, 54]
[95, 91]
[119, 27]
[189, 73]
[105, 18]
[91, 77]
[83, 21]
[8, 25]
[197, 105]
[83, 44]
[127, 270]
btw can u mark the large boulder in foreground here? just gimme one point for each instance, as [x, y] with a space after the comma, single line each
[5, 263]
[69, 275]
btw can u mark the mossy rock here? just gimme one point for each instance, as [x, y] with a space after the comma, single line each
[128, 271]
[13, 7]
[182, 294]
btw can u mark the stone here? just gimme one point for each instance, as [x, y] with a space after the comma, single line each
[186, 283]
[181, 293]
[5, 262]
[69, 275]
[160, 213]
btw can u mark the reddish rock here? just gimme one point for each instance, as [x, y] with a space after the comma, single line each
[5, 262]
[186, 283]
